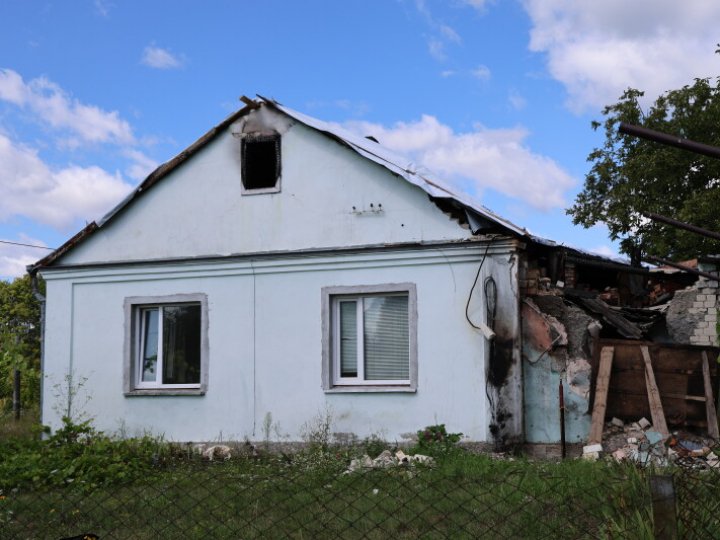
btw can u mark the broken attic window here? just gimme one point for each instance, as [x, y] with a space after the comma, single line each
[261, 162]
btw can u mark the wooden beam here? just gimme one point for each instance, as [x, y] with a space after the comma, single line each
[656, 410]
[709, 400]
[683, 396]
[601, 392]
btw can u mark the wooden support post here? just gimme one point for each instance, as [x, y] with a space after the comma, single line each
[656, 410]
[709, 400]
[601, 392]
[662, 491]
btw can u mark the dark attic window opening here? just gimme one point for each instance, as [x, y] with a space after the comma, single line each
[261, 163]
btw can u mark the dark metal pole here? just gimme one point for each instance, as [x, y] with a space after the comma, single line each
[562, 419]
[670, 140]
[664, 505]
[16, 394]
[658, 260]
[682, 225]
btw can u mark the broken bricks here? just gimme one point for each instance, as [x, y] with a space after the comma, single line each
[387, 459]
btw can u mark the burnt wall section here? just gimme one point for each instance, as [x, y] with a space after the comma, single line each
[493, 316]
[557, 346]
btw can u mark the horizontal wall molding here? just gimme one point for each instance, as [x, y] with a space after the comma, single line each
[289, 262]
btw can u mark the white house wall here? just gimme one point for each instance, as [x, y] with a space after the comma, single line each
[265, 344]
[198, 209]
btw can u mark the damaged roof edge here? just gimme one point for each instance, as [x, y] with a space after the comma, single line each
[67, 246]
[480, 218]
[154, 177]
[396, 165]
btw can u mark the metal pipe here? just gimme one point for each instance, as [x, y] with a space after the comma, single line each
[562, 418]
[16, 394]
[670, 140]
[682, 225]
[658, 260]
[41, 300]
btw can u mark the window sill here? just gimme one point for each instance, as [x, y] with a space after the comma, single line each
[370, 389]
[165, 392]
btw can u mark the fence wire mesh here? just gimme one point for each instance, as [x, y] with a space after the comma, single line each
[315, 497]
[697, 491]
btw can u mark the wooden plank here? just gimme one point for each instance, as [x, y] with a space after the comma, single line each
[709, 401]
[685, 397]
[656, 410]
[601, 393]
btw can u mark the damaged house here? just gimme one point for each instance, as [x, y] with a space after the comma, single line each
[280, 271]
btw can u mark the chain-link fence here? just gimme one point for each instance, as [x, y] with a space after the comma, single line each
[314, 496]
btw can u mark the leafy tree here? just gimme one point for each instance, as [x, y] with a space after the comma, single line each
[20, 338]
[630, 175]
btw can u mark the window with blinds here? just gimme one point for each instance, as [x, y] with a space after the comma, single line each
[371, 339]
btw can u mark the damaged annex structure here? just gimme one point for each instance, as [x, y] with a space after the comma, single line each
[591, 323]
[280, 266]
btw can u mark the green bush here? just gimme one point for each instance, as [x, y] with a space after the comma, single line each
[78, 455]
[435, 440]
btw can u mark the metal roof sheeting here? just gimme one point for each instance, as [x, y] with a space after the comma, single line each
[396, 164]
[477, 214]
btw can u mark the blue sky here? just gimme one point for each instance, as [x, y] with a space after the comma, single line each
[494, 96]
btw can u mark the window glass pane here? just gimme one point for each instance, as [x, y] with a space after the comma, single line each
[149, 345]
[348, 339]
[387, 343]
[181, 344]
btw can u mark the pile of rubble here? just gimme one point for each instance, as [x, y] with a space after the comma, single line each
[387, 459]
[639, 443]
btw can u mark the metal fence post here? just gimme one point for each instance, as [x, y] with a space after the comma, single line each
[662, 491]
[16, 394]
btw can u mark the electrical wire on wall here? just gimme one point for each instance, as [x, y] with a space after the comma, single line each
[472, 289]
[487, 328]
[490, 293]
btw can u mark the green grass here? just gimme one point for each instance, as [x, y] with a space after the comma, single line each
[465, 496]
[80, 481]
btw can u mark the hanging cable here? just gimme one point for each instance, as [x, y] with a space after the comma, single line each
[25, 245]
[477, 276]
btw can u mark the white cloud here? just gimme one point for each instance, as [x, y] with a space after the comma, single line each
[478, 4]
[442, 34]
[55, 107]
[598, 49]
[450, 34]
[436, 49]
[55, 197]
[517, 101]
[140, 166]
[159, 58]
[14, 258]
[103, 7]
[481, 72]
[488, 158]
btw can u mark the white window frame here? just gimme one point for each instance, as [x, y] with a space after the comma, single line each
[135, 308]
[332, 297]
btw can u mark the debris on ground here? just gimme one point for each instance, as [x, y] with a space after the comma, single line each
[639, 443]
[217, 451]
[387, 459]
